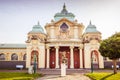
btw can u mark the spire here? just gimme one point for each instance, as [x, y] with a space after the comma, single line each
[64, 11]
[38, 23]
[64, 14]
[90, 22]
[64, 6]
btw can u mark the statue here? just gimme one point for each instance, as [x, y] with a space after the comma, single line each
[63, 64]
[64, 59]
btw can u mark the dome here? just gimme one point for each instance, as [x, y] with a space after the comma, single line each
[37, 29]
[64, 14]
[91, 28]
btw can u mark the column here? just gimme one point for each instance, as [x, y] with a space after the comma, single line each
[71, 57]
[57, 62]
[48, 56]
[81, 58]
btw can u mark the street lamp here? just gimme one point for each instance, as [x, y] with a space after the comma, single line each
[34, 63]
[92, 64]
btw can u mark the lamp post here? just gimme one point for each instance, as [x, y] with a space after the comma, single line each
[34, 63]
[92, 64]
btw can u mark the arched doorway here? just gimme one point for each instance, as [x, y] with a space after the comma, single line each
[76, 58]
[95, 59]
[34, 57]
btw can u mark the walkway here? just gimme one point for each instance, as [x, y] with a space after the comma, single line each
[75, 76]
[54, 74]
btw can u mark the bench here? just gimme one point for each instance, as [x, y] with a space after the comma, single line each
[19, 66]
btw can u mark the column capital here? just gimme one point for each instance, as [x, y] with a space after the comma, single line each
[71, 47]
[47, 47]
[57, 47]
[81, 46]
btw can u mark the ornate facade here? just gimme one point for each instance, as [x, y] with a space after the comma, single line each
[64, 36]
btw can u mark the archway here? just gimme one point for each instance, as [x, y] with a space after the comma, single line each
[95, 59]
[34, 57]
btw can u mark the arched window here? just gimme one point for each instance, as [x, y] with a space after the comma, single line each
[64, 27]
[24, 57]
[14, 56]
[2, 56]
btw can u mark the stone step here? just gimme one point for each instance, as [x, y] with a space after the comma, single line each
[58, 71]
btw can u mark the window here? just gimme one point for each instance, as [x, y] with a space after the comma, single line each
[24, 57]
[14, 56]
[64, 27]
[2, 56]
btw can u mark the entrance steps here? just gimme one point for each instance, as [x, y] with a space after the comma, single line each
[58, 71]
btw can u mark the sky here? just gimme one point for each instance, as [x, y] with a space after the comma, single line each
[17, 17]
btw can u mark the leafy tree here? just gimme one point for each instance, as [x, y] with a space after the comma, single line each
[111, 48]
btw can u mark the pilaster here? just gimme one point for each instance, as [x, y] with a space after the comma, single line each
[48, 57]
[52, 33]
[81, 58]
[75, 32]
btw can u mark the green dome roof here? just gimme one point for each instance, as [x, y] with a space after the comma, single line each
[64, 14]
[91, 28]
[37, 29]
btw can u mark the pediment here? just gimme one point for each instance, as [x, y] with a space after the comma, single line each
[64, 20]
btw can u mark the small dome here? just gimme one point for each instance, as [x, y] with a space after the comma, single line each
[91, 28]
[37, 29]
[64, 14]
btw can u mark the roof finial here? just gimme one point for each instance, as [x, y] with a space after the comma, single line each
[64, 6]
[38, 23]
[90, 22]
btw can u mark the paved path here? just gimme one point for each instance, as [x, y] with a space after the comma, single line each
[75, 76]
[72, 74]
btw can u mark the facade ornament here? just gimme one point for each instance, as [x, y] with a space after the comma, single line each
[64, 59]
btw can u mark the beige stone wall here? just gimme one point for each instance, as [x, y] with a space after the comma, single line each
[74, 31]
[35, 42]
[8, 53]
[88, 48]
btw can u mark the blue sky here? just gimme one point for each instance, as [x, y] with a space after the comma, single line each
[17, 17]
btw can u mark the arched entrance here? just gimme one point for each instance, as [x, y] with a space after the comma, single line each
[95, 59]
[34, 57]
[76, 58]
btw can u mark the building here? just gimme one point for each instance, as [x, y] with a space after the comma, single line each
[64, 36]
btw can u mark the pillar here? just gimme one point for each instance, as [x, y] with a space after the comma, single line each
[71, 57]
[57, 62]
[81, 58]
[48, 56]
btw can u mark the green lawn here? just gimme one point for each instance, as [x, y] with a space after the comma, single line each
[17, 76]
[104, 76]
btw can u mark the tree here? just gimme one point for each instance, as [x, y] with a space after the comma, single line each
[111, 48]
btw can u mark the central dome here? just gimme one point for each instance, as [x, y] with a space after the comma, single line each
[64, 14]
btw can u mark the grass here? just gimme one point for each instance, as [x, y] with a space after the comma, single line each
[18, 76]
[104, 76]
